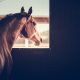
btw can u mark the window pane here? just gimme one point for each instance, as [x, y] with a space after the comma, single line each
[40, 13]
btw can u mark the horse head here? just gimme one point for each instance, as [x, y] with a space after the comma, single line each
[29, 30]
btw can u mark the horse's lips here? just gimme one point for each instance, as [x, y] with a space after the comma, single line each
[36, 40]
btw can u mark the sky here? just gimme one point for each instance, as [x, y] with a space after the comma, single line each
[40, 7]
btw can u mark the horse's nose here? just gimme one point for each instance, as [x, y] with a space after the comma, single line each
[41, 39]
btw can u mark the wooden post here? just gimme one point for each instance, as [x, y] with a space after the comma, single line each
[26, 43]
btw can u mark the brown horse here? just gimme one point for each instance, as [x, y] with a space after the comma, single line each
[11, 26]
[30, 31]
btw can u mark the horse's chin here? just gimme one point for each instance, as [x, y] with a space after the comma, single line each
[37, 43]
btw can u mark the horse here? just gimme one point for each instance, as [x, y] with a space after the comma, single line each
[12, 26]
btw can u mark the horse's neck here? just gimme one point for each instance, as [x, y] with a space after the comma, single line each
[10, 33]
[13, 32]
[7, 38]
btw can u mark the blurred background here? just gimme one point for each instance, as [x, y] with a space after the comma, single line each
[40, 14]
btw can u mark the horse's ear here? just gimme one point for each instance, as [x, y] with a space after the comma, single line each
[30, 11]
[22, 9]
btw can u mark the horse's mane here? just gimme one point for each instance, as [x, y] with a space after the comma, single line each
[4, 48]
[8, 18]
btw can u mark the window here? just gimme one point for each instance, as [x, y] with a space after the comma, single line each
[41, 15]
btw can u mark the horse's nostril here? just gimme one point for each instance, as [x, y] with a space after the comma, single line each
[41, 39]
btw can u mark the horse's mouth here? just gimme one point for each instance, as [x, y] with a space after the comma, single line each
[37, 43]
[36, 40]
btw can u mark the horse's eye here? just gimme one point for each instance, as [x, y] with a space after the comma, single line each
[34, 23]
